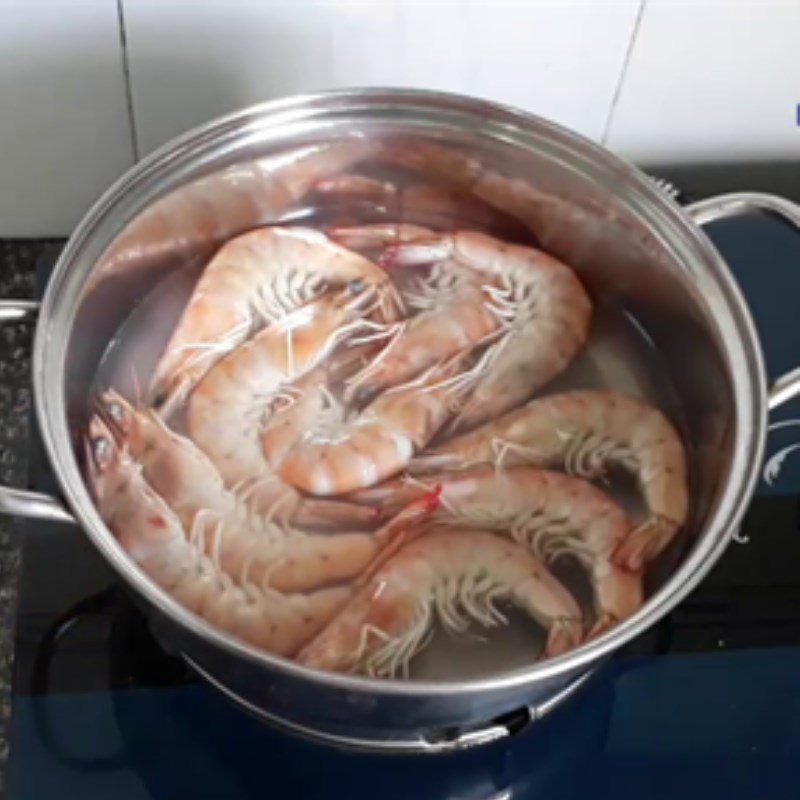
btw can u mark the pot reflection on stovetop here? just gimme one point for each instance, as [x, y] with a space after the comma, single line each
[181, 739]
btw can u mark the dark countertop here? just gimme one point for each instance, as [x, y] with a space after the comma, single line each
[17, 271]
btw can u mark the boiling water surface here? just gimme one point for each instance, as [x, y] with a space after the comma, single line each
[619, 356]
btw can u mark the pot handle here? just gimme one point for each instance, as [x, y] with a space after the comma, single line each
[703, 212]
[19, 502]
[502, 727]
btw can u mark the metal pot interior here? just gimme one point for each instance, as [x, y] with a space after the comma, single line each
[645, 257]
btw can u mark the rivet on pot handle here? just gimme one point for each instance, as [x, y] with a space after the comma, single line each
[504, 726]
[18, 502]
[787, 386]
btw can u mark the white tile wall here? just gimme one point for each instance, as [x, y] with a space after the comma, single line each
[64, 133]
[661, 81]
[190, 61]
[711, 82]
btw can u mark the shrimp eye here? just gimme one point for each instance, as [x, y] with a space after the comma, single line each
[362, 395]
[101, 450]
[455, 405]
[356, 286]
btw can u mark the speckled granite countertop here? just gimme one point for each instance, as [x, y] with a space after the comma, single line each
[17, 280]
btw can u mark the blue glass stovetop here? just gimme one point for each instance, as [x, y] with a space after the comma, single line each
[706, 705]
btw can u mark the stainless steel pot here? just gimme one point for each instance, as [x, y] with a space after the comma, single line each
[655, 254]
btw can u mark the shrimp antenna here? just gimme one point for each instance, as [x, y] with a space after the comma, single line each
[266, 579]
[290, 361]
[502, 448]
[244, 572]
[271, 513]
[392, 333]
[137, 387]
[247, 487]
[379, 330]
[461, 381]
[222, 344]
[217, 544]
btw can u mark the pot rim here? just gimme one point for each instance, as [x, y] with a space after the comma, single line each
[60, 302]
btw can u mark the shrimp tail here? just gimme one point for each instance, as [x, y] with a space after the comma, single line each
[619, 594]
[644, 543]
[565, 634]
[603, 624]
[383, 237]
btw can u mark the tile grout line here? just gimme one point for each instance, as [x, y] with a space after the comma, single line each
[622, 73]
[126, 73]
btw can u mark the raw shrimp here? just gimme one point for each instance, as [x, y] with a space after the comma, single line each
[174, 466]
[194, 219]
[460, 574]
[455, 313]
[247, 547]
[454, 306]
[435, 206]
[187, 479]
[308, 400]
[152, 535]
[333, 454]
[552, 514]
[376, 237]
[229, 407]
[589, 235]
[239, 539]
[587, 431]
[545, 316]
[256, 279]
